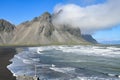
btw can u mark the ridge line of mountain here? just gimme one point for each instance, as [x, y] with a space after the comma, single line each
[41, 31]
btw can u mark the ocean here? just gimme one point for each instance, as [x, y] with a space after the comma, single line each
[81, 62]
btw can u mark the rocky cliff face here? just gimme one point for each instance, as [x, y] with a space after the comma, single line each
[89, 38]
[41, 31]
[6, 31]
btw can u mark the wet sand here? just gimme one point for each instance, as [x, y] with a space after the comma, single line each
[5, 55]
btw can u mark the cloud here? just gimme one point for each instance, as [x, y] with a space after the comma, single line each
[90, 18]
[82, 2]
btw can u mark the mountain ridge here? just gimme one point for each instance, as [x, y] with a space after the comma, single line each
[6, 31]
[111, 42]
[41, 31]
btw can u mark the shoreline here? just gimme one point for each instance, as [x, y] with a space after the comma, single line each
[6, 53]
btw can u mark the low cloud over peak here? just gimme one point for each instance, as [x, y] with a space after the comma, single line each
[90, 18]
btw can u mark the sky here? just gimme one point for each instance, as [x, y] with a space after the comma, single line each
[18, 11]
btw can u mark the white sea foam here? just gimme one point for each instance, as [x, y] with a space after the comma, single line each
[36, 59]
[47, 48]
[63, 70]
[85, 50]
[32, 49]
[92, 78]
[10, 68]
[26, 61]
[91, 50]
[39, 50]
[43, 65]
[18, 57]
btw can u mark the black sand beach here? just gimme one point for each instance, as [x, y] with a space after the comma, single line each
[5, 55]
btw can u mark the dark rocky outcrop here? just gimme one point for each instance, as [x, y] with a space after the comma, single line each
[6, 31]
[71, 30]
[6, 26]
[89, 38]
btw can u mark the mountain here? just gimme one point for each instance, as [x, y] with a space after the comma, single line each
[111, 42]
[6, 31]
[89, 38]
[41, 31]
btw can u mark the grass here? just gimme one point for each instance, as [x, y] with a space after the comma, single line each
[35, 45]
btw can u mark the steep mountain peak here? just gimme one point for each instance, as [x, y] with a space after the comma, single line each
[46, 17]
[6, 31]
[6, 26]
[46, 14]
